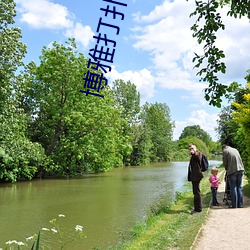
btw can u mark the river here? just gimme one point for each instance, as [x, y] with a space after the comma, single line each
[104, 204]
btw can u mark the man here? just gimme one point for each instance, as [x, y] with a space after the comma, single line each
[195, 175]
[235, 170]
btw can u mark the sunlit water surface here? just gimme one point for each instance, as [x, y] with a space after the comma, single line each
[104, 204]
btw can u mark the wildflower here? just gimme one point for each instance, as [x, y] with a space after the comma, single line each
[61, 215]
[20, 243]
[78, 228]
[10, 242]
[45, 229]
[29, 238]
[54, 230]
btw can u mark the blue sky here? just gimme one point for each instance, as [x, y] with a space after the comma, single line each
[154, 48]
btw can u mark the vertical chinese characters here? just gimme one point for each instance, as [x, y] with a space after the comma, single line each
[103, 52]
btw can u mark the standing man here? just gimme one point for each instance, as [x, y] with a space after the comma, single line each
[235, 170]
[195, 175]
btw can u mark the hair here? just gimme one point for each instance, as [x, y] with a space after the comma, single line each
[214, 170]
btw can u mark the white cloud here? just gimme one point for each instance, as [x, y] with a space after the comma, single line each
[82, 34]
[208, 122]
[143, 80]
[165, 33]
[234, 41]
[43, 14]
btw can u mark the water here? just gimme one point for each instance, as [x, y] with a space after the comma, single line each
[104, 204]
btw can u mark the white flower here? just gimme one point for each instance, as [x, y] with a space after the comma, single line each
[10, 242]
[29, 238]
[45, 229]
[54, 230]
[20, 243]
[78, 228]
[61, 215]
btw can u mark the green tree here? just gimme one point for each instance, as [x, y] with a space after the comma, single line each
[183, 144]
[128, 100]
[20, 158]
[227, 127]
[157, 122]
[207, 25]
[79, 133]
[196, 131]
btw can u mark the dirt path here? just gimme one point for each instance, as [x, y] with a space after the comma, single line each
[225, 228]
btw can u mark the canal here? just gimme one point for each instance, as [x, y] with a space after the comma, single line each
[106, 204]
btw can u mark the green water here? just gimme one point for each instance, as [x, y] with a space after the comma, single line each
[105, 204]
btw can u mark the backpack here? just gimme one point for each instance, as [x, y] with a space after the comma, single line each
[204, 163]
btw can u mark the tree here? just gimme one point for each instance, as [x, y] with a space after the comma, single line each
[227, 127]
[208, 23]
[157, 122]
[19, 158]
[183, 144]
[79, 133]
[196, 131]
[128, 100]
[242, 117]
[12, 50]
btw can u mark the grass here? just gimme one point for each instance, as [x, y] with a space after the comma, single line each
[170, 226]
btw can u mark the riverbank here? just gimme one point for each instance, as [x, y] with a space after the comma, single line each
[171, 227]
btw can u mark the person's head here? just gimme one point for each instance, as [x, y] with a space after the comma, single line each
[192, 148]
[214, 171]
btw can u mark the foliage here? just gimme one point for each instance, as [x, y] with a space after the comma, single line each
[241, 115]
[227, 127]
[12, 50]
[215, 148]
[142, 145]
[196, 131]
[157, 122]
[233, 123]
[54, 237]
[78, 133]
[128, 100]
[20, 157]
[205, 28]
[201, 146]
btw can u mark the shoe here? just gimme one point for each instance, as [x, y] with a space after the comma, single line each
[231, 207]
[217, 204]
[194, 212]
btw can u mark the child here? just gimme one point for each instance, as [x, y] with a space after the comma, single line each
[214, 185]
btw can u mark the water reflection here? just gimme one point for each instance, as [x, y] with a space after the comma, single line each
[105, 204]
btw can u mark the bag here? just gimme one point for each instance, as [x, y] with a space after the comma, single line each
[204, 163]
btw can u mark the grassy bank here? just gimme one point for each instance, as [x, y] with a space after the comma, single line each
[170, 227]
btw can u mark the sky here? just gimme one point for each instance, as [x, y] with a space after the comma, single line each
[154, 48]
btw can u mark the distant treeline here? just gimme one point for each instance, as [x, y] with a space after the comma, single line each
[49, 129]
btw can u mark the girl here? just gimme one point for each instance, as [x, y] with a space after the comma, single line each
[214, 185]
